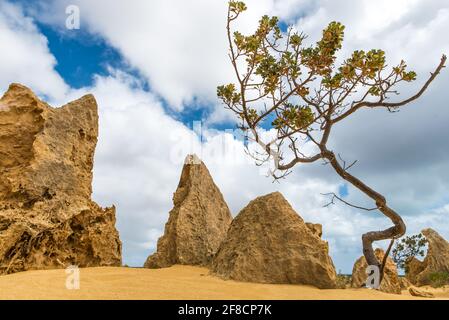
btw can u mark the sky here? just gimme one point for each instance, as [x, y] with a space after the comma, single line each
[154, 66]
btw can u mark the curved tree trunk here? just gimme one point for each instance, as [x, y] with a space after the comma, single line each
[398, 230]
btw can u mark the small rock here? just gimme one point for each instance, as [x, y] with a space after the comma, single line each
[420, 293]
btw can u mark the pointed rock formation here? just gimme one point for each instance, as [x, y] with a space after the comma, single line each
[414, 267]
[47, 219]
[390, 282]
[269, 242]
[437, 259]
[198, 222]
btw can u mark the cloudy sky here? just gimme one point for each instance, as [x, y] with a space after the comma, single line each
[154, 65]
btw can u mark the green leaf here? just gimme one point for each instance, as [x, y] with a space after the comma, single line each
[237, 7]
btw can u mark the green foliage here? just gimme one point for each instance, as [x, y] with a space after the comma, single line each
[296, 40]
[362, 66]
[294, 117]
[252, 115]
[228, 94]
[268, 24]
[270, 71]
[322, 57]
[237, 7]
[408, 248]
[343, 281]
[332, 39]
[408, 76]
[439, 279]
[252, 44]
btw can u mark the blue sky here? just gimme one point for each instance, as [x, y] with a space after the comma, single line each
[80, 57]
[83, 56]
[154, 67]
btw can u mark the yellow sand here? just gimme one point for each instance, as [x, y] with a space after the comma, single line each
[178, 282]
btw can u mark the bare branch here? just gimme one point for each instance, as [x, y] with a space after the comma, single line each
[334, 196]
[346, 168]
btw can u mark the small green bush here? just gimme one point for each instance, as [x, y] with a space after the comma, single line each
[407, 248]
[343, 281]
[439, 279]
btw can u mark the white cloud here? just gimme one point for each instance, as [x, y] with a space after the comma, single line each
[405, 29]
[25, 57]
[179, 46]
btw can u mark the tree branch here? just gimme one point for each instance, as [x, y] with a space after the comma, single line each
[397, 104]
[334, 196]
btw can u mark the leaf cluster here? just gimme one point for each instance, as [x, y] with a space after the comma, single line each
[407, 248]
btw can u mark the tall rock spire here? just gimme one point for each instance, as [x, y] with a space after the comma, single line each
[197, 223]
[47, 217]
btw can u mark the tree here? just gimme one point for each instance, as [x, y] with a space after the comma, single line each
[408, 248]
[299, 93]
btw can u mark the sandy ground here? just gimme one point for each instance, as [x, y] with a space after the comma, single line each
[178, 282]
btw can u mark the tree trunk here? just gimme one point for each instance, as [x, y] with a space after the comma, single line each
[398, 230]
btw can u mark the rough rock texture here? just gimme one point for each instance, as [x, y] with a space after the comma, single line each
[47, 219]
[316, 228]
[415, 267]
[420, 293]
[390, 282]
[405, 284]
[198, 222]
[437, 259]
[269, 242]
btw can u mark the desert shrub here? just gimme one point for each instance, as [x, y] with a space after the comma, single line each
[408, 248]
[439, 279]
[343, 281]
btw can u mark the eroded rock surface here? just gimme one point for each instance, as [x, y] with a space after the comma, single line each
[436, 260]
[316, 228]
[420, 293]
[405, 284]
[197, 223]
[269, 242]
[390, 282]
[47, 217]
